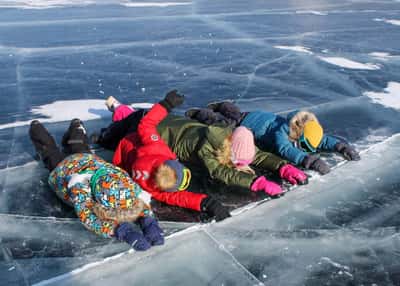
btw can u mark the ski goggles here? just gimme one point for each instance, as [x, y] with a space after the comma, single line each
[185, 182]
[305, 145]
[183, 176]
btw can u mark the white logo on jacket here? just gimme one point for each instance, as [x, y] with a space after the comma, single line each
[154, 137]
[140, 175]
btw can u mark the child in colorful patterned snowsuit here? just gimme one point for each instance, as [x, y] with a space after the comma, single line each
[104, 197]
[296, 138]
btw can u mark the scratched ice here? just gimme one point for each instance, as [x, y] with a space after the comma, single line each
[61, 58]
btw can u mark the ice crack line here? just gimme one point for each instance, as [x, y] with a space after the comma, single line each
[8, 258]
[222, 247]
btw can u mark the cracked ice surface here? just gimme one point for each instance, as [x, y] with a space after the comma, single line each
[329, 232]
[341, 229]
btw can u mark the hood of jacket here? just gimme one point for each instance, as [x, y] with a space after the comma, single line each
[296, 121]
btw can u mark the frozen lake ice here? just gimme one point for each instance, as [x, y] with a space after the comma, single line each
[61, 58]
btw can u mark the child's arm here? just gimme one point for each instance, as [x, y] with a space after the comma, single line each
[328, 143]
[225, 174]
[268, 161]
[285, 148]
[182, 199]
[147, 128]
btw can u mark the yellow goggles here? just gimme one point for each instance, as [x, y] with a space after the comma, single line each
[187, 175]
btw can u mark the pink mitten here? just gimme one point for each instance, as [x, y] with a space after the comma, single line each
[271, 188]
[121, 112]
[293, 175]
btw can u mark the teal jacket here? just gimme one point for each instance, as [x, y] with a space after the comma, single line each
[271, 133]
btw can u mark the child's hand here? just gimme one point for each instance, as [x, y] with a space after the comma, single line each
[313, 162]
[125, 232]
[262, 184]
[151, 230]
[348, 152]
[172, 100]
[214, 209]
[293, 175]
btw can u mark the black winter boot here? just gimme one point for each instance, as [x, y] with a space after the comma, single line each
[229, 110]
[216, 104]
[75, 139]
[191, 113]
[45, 145]
[203, 115]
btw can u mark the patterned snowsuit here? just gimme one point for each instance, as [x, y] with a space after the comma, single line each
[71, 182]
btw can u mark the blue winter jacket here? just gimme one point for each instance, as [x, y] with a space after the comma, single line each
[271, 133]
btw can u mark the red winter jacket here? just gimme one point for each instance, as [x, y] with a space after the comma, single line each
[141, 153]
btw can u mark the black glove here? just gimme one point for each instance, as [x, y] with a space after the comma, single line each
[313, 162]
[348, 152]
[172, 99]
[214, 208]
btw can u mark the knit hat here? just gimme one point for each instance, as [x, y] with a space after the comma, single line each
[183, 175]
[312, 134]
[243, 148]
[113, 188]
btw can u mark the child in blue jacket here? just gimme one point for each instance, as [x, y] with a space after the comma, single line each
[297, 138]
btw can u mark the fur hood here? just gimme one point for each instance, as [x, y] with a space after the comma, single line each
[296, 122]
[122, 215]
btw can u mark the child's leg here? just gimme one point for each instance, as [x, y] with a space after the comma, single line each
[207, 116]
[75, 139]
[227, 109]
[120, 111]
[111, 135]
[203, 115]
[45, 145]
[151, 230]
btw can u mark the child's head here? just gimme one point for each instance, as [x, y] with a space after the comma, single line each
[117, 197]
[306, 130]
[172, 176]
[238, 150]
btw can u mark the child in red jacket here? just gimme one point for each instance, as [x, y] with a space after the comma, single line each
[155, 167]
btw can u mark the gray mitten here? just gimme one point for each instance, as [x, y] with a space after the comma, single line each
[313, 162]
[348, 152]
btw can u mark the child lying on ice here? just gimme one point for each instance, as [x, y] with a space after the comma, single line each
[297, 138]
[224, 154]
[104, 197]
[153, 165]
